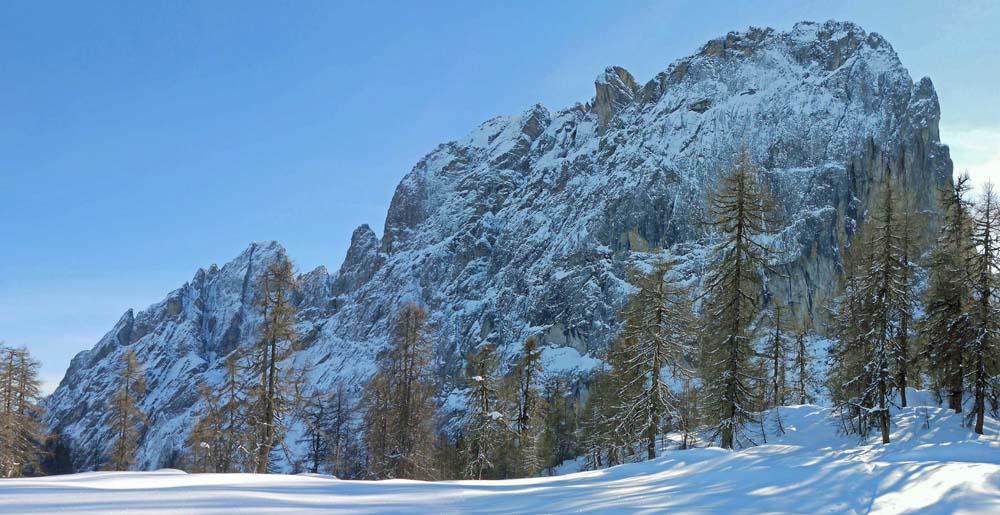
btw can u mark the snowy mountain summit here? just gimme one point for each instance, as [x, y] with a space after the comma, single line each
[527, 226]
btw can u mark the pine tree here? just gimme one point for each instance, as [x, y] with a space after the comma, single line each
[741, 212]
[21, 433]
[984, 267]
[656, 335]
[124, 416]
[398, 403]
[947, 324]
[273, 396]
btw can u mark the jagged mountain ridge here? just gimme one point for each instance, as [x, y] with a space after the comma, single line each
[526, 226]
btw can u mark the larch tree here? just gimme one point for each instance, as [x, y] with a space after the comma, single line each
[881, 296]
[848, 375]
[558, 441]
[326, 416]
[273, 395]
[947, 324]
[776, 354]
[741, 212]
[981, 353]
[528, 374]
[804, 385]
[218, 441]
[656, 336]
[399, 401]
[599, 440]
[21, 433]
[486, 428]
[903, 353]
[124, 418]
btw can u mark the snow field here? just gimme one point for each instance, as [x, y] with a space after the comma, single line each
[934, 466]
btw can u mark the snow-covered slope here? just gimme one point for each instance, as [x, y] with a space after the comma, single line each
[933, 466]
[527, 225]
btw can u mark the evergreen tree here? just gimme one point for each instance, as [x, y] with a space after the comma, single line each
[398, 403]
[984, 267]
[124, 416]
[273, 395]
[21, 433]
[656, 334]
[741, 211]
[946, 327]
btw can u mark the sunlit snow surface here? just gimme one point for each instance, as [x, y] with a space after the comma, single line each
[943, 468]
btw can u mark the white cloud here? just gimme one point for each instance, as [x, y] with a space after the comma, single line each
[975, 150]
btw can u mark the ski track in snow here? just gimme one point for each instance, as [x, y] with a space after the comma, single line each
[943, 469]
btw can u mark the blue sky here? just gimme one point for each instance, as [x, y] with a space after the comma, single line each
[140, 141]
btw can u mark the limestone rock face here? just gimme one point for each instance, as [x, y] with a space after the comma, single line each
[528, 224]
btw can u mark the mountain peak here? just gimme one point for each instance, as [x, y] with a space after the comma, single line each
[615, 89]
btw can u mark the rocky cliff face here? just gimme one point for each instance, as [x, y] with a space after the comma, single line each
[527, 225]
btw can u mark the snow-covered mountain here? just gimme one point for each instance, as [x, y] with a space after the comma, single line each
[527, 225]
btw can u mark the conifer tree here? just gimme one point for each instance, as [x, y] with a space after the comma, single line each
[528, 374]
[218, 441]
[741, 211]
[656, 335]
[984, 266]
[485, 425]
[327, 422]
[688, 414]
[558, 440]
[879, 297]
[398, 402]
[805, 381]
[903, 354]
[21, 433]
[124, 418]
[600, 441]
[273, 396]
[848, 375]
[946, 328]
[776, 354]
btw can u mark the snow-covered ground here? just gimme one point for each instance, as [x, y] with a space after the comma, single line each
[933, 466]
